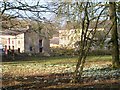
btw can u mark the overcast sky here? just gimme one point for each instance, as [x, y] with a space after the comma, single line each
[47, 15]
[42, 2]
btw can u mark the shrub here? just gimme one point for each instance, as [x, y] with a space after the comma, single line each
[62, 51]
[100, 52]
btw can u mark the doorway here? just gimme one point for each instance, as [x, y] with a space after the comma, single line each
[40, 45]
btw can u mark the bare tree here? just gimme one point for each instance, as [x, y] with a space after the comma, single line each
[114, 35]
[23, 13]
[85, 14]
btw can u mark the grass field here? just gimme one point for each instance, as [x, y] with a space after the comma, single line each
[47, 65]
[55, 60]
[42, 71]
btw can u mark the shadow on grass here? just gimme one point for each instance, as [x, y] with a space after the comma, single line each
[57, 81]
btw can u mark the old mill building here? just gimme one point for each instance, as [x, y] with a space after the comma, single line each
[25, 39]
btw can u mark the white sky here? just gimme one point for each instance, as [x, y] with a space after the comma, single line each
[66, 0]
[30, 2]
[47, 15]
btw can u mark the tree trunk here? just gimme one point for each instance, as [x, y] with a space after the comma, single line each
[114, 35]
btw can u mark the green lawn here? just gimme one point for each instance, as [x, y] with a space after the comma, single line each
[37, 66]
[57, 60]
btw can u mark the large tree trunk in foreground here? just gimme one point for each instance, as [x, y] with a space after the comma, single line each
[114, 35]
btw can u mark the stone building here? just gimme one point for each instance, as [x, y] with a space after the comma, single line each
[25, 39]
[71, 33]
